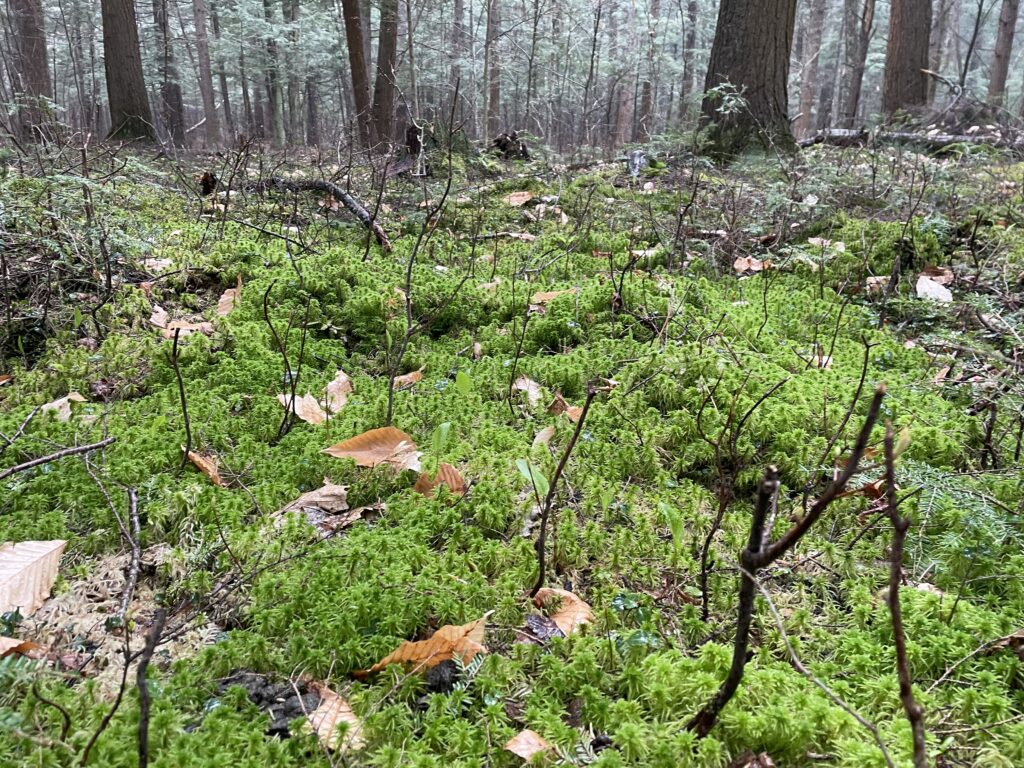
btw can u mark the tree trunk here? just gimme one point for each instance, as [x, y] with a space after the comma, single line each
[130, 116]
[172, 108]
[751, 52]
[458, 44]
[861, 29]
[212, 126]
[30, 66]
[275, 97]
[360, 71]
[222, 78]
[1004, 47]
[492, 62]
[689, 51]
[384, 85]
[906, 56]
[312, 112]
[645, 122]
[809, 81]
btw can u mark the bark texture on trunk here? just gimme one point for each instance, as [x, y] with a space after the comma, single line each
[493, 68]
[753, 40]
[809, 81]
[212, 125]
[1004, 47]
[130, 115]
[30, 71]
[906, 56]
[360, 71]
[860, 27]
[384, 84]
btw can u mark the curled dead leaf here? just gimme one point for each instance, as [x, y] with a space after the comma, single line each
[526, 744]
[159, 317]
[544, 436]
[334, 711]
[464, 641]
[876, 284]
[559, 406]
[207, 464]
[229, 299]
[386, 445]
[307, 408]
[185, 328]
[544, 297]
[9, 646]
[408, 379]
[530, 387]
[338, 390]
[748, 264]
[446, 475]
[572, 612]
[27, 572]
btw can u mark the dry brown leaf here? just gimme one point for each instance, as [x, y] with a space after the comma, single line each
[338, 390]
[207, 464]
[544, 436]
[6, 379]
[530, 387]
[744, 264]
[386, 445]
[749, 760]
[478, 352]
[408, 379]
[62, 405]
[229, 299]
[307, 408]
[159, 318]
[465, 641]
[526, 744]
[332, 712]
[572, 612]
[12, 647]
[27, 572]
[876, 284]
[543, 297]
[185, 328]
[446, 475]
[329, 498]
[157, 265]
[558, 406]
[940, 275]
[1014, 642]
[518, 199]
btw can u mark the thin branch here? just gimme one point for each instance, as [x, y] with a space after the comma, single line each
[55, 456]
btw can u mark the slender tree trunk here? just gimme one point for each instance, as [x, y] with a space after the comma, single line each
[861, 28]
[290, 11]
[212, 125]
[906, 56]
[130, 116]
[409, 34]
[222, 77]
[275, 94]
[384, 85]
[531, 62]
[458, 44]
[937, 43]
[312, 112]
[751, 52]
[1004, 47]
[30, 72]
[172, 108]
[250, 120]
[689, 53]
[360, 71]
[492, 79]
[645, 127]
[809, 82]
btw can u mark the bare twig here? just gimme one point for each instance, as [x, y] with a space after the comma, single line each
[55, 456]
[184, 402]
[134, 541]
[152, 639]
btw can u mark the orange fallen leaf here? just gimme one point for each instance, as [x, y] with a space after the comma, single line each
[464, 641]
[27, 572]
[558, 406]
[526, 744]
[518, 199]
[940, 275]
[408, 379]
[543, 297]
[572, 612]
[386, 445]
[332, 712]
[11, 647]
[6, 379]
[446, 475]
[744, 264]
[229, 299]
[207, 464]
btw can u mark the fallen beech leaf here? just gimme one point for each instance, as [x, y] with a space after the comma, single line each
[526, 744]
[159, 318]
[11, 647]
[408, 379]
[157, 265]
[940, 275]
[572, 613]
[332, 712]
[744, 264]
[518, 199]
[446, 475]
[307, 408]
[544, 436]
[559, 406]
[530, 387]
[465, 641]
[27, 572]
[942, 374]
[6, 379]
[229, 299]
[929, 289]
[543, 297]
[338, 390]
[62, 405]
[386, 445]
[329, 498]
[207, 464]
[749, 760]
[491, 286]
[185, 328]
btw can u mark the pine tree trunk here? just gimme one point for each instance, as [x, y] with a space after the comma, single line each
[860, 29]
[809, 81]
[645, 121]
[493, 68]
[384, 85]
[312, 112]
[222, 78]
[360, 71]
[1004, 47]
[751, 52]
[172, 107]
[212, 125]
[274, 116]
[130, 115]
[906, 56]
[30, 67]
[689, 51]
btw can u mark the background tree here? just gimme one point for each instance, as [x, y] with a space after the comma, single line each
[906, 56]
[1004, 47]
[30, 73]
[130, 116]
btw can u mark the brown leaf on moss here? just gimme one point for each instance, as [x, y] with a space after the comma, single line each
[526, 744]
[543, 297]
[464, 641]
[408, 379]
[518, 199]
[329, 497]
[446, 475]
[307, 408]
[559, 406]
[185, 328]
[27, 572]
[572, 612]
[332, 712]
[9, 646]
[229, 299]
[62, 405]
[386, 445]
[530, 387]
[338, 390]
[159, 317]
[207, 464]
[544, 436]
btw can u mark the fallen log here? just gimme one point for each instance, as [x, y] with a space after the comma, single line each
[852, 137]
[354, 206]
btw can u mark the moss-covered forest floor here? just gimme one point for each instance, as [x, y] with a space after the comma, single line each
[726, 321]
